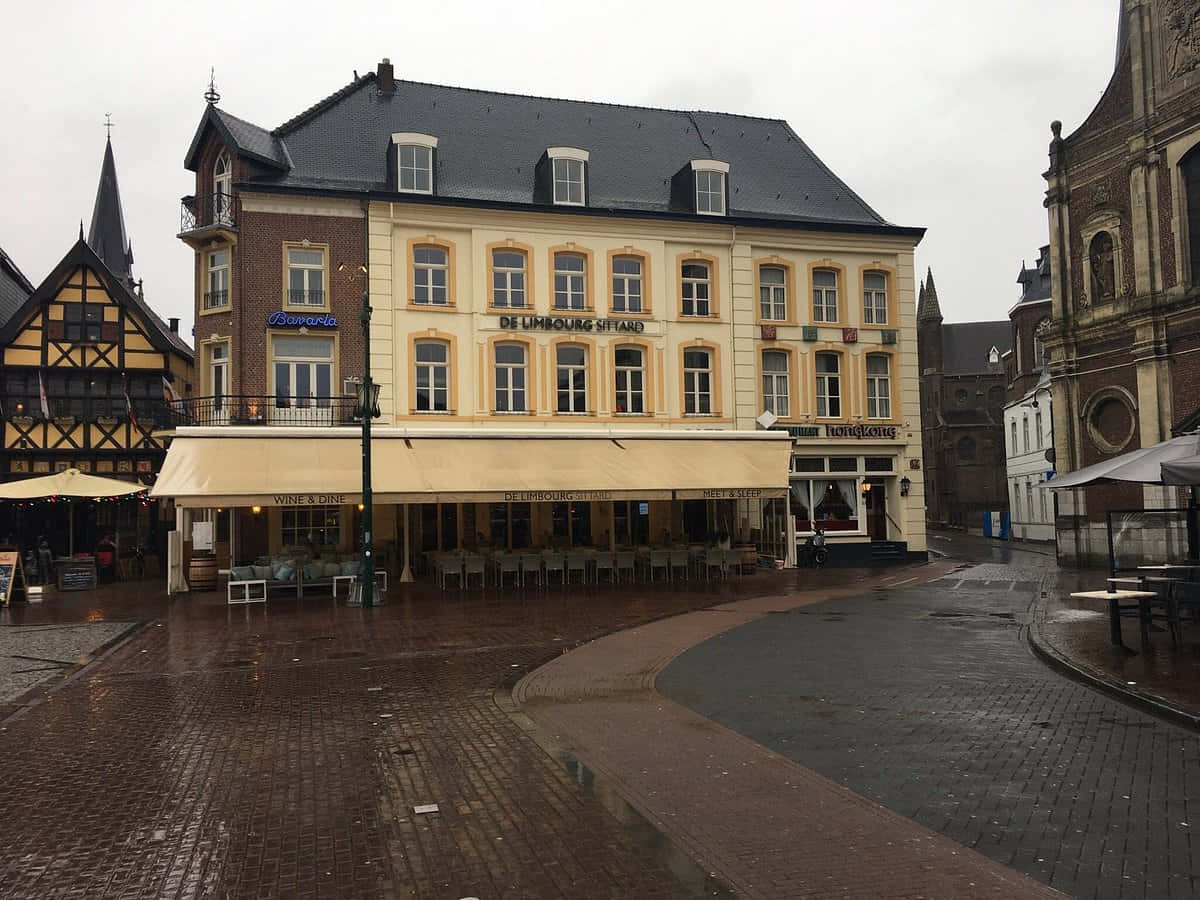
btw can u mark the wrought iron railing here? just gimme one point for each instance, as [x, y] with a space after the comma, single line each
[306, 298]
[215, 299]
[198, 213]
[279, 409]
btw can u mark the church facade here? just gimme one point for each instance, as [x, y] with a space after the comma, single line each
[1123, 199]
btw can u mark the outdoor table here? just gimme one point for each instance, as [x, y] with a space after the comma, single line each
[1114, 599]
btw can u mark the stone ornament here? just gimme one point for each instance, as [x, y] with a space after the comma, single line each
[1183, 42]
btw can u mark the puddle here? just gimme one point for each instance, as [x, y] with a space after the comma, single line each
[1075, 615]
[695, 881]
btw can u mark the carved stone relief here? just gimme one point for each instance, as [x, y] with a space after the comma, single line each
[1183, 37]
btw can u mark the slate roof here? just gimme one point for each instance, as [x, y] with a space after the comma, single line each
[965, 346]
[246, 138]
[107, 233]
[1035, 281]
[14, 287]
[928, 307]
[489, 144]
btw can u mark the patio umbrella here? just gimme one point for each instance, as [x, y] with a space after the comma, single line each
[1183, 471]
[1144, 466]
[69, 483]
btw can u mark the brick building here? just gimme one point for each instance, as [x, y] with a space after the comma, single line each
[1123, 198]
[962, 401]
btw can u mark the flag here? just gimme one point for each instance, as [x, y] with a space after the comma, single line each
[129, 403]
[42, 396]
[169, 392]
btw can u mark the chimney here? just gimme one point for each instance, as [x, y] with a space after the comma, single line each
[173, 324]
[385, 77]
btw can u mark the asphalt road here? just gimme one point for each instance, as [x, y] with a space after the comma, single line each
[927, 700]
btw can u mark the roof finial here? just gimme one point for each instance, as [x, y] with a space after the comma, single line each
[211, 94]
[108, 124]
[81, 229]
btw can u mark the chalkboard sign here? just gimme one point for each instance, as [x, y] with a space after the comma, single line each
[12, 578]
[77, 575]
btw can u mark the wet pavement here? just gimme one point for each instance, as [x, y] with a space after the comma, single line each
[32, 655]
[281, 750]
[928, 700]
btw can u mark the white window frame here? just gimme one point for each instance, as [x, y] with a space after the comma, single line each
[772, 295]
[694, 398]
[504, 278]
[826, 380]
[875, 302]
[776, 384]
[577, 399]
[690, 302]
[627, 396]
[575, 282]
[308, 271]
[621, 282]
[511, 393]
[218, 273]
[1037, 428]
[414, 141]
[218, 371]
[425, 276]
[1015, 446]
[1025, 432]
[879, 388]
[295, 401]
[709, 177]
[565, 164]
[427, 370]
[825, 297]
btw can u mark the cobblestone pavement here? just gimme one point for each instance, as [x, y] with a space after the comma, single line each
[33, 654]
[280, 751]
[928, 700]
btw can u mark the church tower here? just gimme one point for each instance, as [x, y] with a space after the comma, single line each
[929, 327]
[107, 233]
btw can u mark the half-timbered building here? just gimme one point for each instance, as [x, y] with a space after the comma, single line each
[87, 365]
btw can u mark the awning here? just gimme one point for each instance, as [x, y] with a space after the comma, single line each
[1142, 466]
[294, 467]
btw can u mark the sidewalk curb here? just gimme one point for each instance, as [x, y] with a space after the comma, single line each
[1151, 704]
[37, 694]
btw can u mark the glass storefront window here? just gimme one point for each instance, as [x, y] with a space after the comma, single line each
[311, 526]
[830, 503]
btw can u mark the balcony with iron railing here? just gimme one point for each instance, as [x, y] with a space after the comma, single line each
[264, 409]
[216, 299]
[205, 218]
[307, 298]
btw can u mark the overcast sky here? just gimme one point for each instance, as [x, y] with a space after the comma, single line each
[936, 112]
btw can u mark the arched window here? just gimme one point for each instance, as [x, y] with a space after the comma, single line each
[772, 293]
[508, 279]
[1190, 170]
[697, 382]
[630, 373]
[627, 284]
[875, 304]
[775, 382]
[829, 386]
[569, 272]
[432, 376]
[1100, 263]
[572, 378]
[511, 378]
[430, 270]
[966, 449]
[696, 288]
[879, 387]
[1040, 356]
[223, 189]
[825, 303]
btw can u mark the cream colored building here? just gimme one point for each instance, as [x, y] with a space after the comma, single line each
[591, 324]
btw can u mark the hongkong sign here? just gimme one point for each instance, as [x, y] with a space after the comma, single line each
[281, 319]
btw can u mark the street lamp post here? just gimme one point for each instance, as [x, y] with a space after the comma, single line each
[367, 408]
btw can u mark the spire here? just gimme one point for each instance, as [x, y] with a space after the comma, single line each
[107, 234]
[927, 307]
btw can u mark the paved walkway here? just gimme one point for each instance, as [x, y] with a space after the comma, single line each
[928, 700]
[281, 750]
[762, 823]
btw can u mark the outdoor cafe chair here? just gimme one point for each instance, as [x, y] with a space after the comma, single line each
[660, 560]
[507, 564]
[474, 565]
[553, 561]
[606, 561]
[680, 563]
[733, 562]
[627, 562]
[714, 559]
[450, 567]
[577, 562]
[531, 564]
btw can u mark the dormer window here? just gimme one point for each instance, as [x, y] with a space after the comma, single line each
[710, 176]
[414, 162]
[569, 175]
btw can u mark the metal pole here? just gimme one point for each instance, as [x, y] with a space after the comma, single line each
[406, 574]
[368, 567]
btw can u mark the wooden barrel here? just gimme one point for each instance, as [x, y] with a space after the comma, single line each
[202, 573]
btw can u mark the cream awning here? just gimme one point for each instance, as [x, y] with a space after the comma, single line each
[246, 467]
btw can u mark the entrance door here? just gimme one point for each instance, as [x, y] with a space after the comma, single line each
[875, 501]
